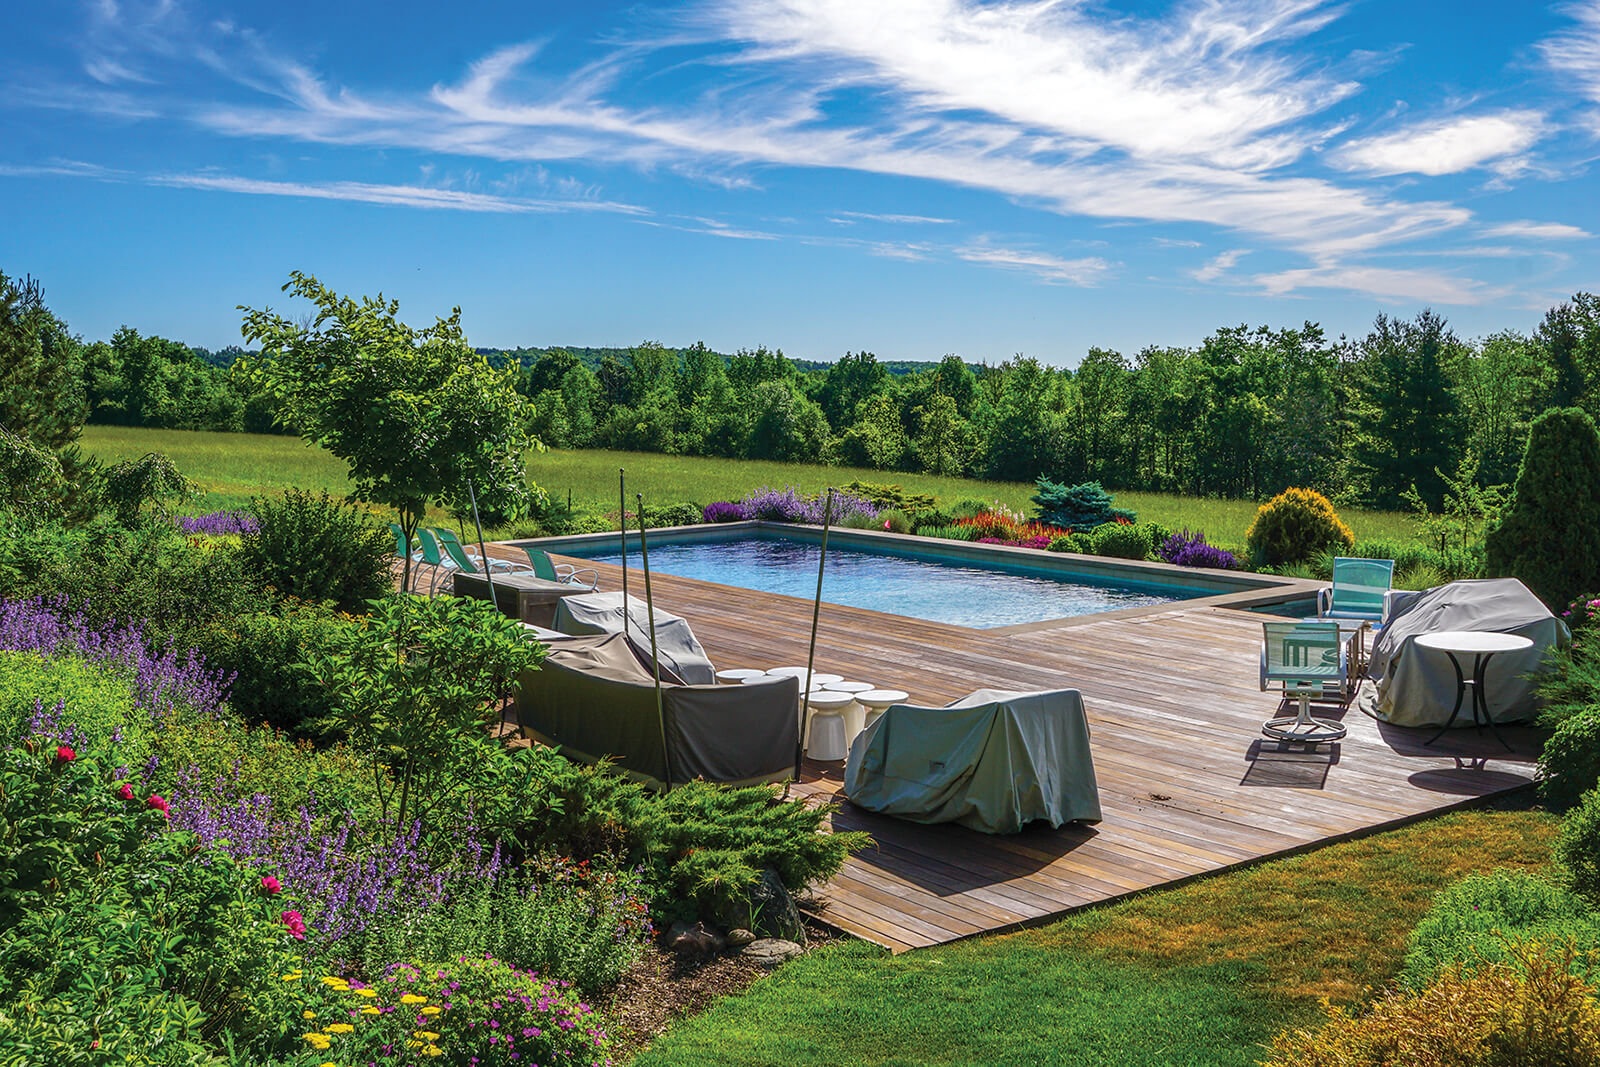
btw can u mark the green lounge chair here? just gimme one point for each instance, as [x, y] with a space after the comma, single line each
[470, 562]
[1306, 659]
[547, 568]
[1357, 590]
[441, 563]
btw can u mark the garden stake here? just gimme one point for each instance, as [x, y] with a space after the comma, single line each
[811, 653]
[622, 524]
[655, 664]
[488, 571]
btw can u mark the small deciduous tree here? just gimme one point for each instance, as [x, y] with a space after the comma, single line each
[1549, 535]
[417, 414]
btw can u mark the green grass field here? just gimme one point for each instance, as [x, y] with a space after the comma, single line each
[232, 467]
[1200, 975]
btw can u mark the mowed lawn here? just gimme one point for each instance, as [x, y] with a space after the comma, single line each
[231, 468]
[1200, 975]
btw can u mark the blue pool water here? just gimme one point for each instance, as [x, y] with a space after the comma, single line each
[941, 591]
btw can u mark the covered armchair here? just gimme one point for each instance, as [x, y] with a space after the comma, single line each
[993, 761]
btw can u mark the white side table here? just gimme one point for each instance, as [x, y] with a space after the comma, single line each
[826, 727]
[877, 701]
[737, 675]
[855, 716]
[1481, 645]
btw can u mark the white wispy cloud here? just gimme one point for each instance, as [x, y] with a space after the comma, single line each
[1447, 146]
[1194, 116]
[1575, 53]
[910, 220]
[1542, 231]
[1085, 272]
[1219, 265]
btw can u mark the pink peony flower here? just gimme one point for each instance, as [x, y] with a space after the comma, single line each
[126, 792]
[65, 754]
[296, 925]
[271, 886]
[157, 802]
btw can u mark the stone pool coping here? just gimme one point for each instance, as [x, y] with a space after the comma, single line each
[1238, 590]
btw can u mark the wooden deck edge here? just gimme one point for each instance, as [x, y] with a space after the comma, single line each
[818, 915]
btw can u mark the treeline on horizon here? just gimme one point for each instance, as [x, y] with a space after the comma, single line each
[1245, 413]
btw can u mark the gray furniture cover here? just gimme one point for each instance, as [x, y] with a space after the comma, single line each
[601, 613]
[594, 696]
[993, 761]
[1417, 686]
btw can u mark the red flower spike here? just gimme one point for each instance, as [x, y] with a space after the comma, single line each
[64, 754]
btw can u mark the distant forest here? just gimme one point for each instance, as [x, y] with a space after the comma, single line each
[1245, 412]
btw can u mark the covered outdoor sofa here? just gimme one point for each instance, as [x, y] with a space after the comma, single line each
[676, 644]
[993, 761]
[1417, 686]
[594, 697]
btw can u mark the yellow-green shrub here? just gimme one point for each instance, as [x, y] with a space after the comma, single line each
[1534, 1010]
[1294, 526]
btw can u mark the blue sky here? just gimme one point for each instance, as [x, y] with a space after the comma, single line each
[912, 177]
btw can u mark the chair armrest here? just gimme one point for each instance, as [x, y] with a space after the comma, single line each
[1324, 600]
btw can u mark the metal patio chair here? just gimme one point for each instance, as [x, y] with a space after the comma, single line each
[1308, 659]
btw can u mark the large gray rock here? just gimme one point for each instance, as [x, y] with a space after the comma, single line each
[773, 911]
[769, 952]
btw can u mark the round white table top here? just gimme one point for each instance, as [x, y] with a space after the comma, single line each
[738, 674]
[825, 701]
[792, 672]
[1473, 641]
[882, 698]
[760, 678]
[849, 687]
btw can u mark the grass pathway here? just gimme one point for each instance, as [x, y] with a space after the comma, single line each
[1199, 975]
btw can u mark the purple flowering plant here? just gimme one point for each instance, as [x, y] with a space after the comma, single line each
[161, 679]
[724, 511]
[218, 524]
[790, 505]
[1190, 550]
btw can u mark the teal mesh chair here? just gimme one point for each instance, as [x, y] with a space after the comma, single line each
[468, 561]
[1306, 660]
[551, 571]
[441, 563]
[1357, 590]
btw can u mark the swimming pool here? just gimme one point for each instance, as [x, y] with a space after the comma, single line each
[940, 590]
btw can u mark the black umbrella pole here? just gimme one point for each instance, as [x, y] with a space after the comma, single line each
[622, 524]
[655, 663]
[811, 653]
[483, 553]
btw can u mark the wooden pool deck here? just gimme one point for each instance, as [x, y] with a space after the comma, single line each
[1188, 786]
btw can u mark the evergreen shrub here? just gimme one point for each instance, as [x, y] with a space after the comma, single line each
[1475, 920]
[1082, 506]
[1533, 1012]
[1570, 762]
[1294, 526]
[1577, 847]
[1549, 535]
